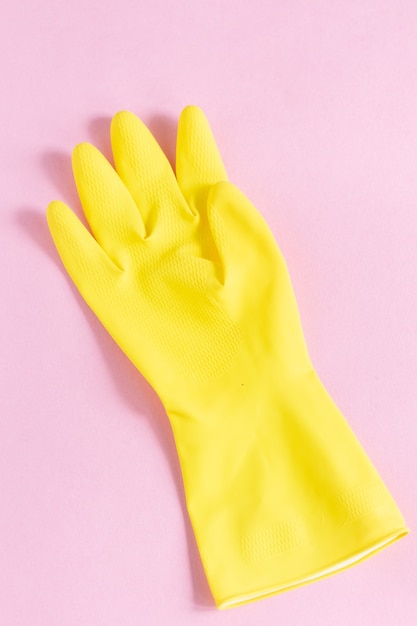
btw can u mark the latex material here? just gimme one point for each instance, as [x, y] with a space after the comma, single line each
[186, 276]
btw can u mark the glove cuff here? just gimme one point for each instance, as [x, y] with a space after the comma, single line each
[303, 502]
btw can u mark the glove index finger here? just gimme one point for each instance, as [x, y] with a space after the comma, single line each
[198, 161]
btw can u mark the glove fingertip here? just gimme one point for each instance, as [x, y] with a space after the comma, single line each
[191, 112]
[54, 213]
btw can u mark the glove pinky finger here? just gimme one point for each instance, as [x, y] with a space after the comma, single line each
[92, 271]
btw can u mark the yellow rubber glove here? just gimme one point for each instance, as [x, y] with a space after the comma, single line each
[186, 276]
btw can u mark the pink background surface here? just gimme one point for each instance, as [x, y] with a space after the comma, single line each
[314, 105]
